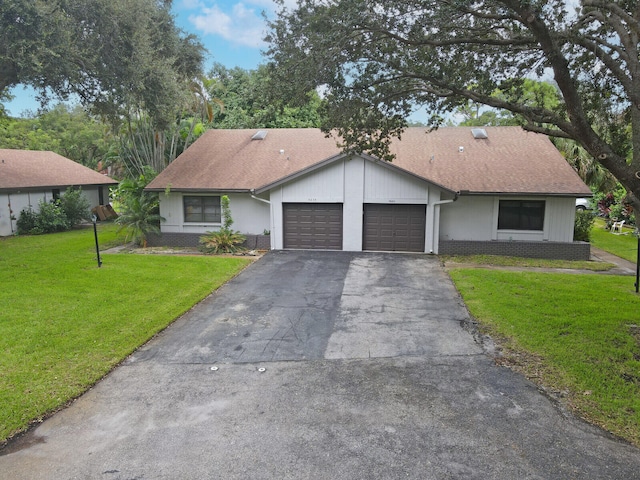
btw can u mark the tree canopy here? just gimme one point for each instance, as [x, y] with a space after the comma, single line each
[70, 132]
[248, 103]
[378, 60]
[116, 56]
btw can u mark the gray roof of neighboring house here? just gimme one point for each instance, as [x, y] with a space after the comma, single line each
[30, 169]
[509, 161]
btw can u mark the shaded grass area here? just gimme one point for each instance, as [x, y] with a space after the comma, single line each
[624, 246]
[576, 334]
[503, 261]
[65, 323]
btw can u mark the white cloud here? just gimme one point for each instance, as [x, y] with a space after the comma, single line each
[241, 23]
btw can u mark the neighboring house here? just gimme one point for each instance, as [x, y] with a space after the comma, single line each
[497, 190]
[27, 176]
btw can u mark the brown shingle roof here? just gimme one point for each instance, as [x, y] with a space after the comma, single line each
[22, 169]
[510, 160]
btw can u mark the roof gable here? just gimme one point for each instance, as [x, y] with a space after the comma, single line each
[509, 161]
[28, 169]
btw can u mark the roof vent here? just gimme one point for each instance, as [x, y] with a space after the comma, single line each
[479, 133]
[259, 135]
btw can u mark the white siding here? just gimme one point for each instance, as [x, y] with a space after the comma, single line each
[322, 186]
[560, 214]
[468, 218]
[383, 186]
[6, 224]
[249, 215]
[352, 182]
[476, 218]
[20, 201]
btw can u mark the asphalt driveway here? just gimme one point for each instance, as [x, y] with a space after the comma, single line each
[319, 365]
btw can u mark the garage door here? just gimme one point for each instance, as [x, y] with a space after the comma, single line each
[313, 225]
[394, 227]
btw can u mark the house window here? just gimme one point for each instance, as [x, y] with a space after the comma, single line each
[55, 193]
[521, 215]
[202, 209]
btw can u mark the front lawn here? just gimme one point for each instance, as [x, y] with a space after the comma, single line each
[577, 334]
[65, 323]
[624, 246]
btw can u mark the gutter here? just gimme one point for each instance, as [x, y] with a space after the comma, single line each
[437, 204]
[259, 199]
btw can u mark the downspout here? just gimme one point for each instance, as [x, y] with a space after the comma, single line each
[437, 204]
[270, 214]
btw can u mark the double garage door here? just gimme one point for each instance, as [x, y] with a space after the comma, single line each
[385, 227]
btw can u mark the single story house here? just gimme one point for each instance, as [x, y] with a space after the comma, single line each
[495, 190]
[28, 176]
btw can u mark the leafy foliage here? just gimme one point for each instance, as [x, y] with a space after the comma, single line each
[614, 207]
[380, 61]
[49, 218]
[70, 132]
[139, 212]
[74, 205]
[117, 56]
[248, 102]
[224, 240]
[583, 225]
[56, 216]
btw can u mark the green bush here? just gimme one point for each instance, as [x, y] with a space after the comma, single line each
[224, 240]
[51, 218]
[27, 221]
[75, 206]
[583, 224]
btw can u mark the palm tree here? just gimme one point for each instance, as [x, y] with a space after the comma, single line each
[140, 217]
[591, 172]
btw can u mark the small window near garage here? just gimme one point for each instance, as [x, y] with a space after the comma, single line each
[55, 193]
[202, 209]
[521, 215]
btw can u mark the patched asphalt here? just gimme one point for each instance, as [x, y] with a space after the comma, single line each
[319, 365]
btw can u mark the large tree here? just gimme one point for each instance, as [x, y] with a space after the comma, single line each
[117, 56]
[378, 60]
[248, 104]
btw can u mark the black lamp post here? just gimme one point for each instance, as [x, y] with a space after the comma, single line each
[638, 261]
[95, 234]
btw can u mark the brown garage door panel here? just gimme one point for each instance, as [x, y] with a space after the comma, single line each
[313, 225]
[394, 227]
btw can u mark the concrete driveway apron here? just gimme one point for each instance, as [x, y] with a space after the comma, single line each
[319, 365]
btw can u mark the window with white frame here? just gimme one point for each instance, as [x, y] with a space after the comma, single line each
[202, 209]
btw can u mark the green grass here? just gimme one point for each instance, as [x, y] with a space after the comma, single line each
[525, 262]
[578, 333]
[65, 323]
[624, 246]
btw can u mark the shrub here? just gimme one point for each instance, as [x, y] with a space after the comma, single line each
[583, 224]
[27, 222]
[140, 217]
[51, 218]
[75, 206]
[224, 240]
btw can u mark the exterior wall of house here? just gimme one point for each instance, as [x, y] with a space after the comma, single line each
[470, 226]
[250, 216]
[11, 204]
[353, 182]
[476, 218]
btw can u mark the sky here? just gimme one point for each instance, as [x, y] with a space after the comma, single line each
[230, 30]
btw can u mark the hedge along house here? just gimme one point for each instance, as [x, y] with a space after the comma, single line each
[498, 190]
[27, 177]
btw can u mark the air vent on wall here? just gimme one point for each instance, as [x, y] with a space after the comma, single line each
[259, 135]
[479, 133]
